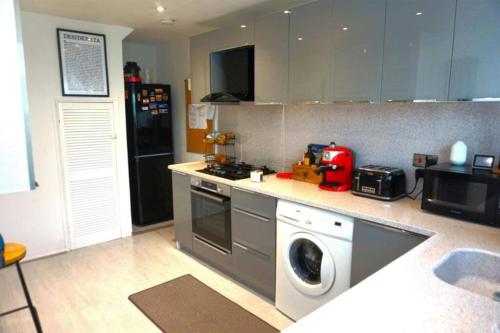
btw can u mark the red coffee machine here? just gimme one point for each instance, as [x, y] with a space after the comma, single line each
[337, 165]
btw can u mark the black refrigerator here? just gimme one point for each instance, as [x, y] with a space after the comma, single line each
[150, 151]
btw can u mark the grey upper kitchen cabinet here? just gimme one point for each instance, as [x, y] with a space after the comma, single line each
[202, 45]
[16, 167]
[231, 36]
[475, 70]
[271, 58]
[310, 50]
[200, 71]
[181, 186]
[358, 43]
[417, 49]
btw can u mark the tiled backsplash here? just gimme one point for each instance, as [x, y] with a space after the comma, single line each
[386, 134]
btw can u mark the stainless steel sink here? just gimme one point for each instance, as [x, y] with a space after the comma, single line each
[474, 270]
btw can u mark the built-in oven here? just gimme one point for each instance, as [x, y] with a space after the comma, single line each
[211, 213]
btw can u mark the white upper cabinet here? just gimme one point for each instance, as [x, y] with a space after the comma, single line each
[16, 166]
[271, 58]
[310, 50]
[417, 50]
[358, 42]
[476, 54]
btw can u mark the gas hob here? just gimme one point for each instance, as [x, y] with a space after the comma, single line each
[234, 171]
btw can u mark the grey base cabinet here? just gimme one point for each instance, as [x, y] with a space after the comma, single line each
[181, 186]
[375, 246]
[253, 259]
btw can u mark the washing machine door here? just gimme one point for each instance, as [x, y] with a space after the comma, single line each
[309, 264]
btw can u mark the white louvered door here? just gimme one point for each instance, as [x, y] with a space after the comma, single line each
[88, 157]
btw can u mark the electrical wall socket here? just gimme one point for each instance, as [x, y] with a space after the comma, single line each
[424, 160]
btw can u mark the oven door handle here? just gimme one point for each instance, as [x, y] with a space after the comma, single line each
[210, 197]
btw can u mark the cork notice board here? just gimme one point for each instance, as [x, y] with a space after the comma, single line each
[194, 136]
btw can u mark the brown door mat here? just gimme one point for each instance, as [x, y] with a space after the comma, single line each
[185, 304]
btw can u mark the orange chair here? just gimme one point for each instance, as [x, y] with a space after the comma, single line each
[12, 253]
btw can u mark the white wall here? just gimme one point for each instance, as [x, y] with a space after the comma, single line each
[145, 55]
[174, 68]
[36, 218]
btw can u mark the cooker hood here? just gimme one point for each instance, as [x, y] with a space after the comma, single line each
[220, 99]
[232, 74]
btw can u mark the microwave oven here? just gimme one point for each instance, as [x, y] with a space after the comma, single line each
[463, 193]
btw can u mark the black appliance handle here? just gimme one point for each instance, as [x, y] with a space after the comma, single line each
[209, 196]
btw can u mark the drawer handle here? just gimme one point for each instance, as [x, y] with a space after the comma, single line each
[250, 250]
[242, 190]
[209, 196]
[179, 173]
[210, 246]
[241, 246]
[257, 217]
[394, 229]
[366, 101]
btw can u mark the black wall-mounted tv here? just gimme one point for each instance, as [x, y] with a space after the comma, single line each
[232, 71]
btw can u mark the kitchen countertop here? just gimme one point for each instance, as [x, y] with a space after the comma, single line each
[404, 296]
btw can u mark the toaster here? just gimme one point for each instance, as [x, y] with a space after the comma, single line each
[379, 182]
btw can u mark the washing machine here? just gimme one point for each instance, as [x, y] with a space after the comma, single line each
[313, 257]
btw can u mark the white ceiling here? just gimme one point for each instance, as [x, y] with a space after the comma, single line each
[192, 16]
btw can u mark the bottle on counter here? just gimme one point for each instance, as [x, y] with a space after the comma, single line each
[307, 158]
[458, 154]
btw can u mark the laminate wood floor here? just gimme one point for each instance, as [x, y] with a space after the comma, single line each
[87, 290]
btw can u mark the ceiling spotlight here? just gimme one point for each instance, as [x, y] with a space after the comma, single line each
[160, 9]
[345, 28]
[243, 26]
[418, 13]
[167, 20]
[300, 38]
[287, 11]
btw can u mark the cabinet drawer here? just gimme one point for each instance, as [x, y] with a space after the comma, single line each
[210, 254]
[253, 230]
[254, 269]
[258, 204]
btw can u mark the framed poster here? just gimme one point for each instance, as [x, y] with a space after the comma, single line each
[83, 64]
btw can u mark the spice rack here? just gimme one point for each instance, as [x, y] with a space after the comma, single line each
[220, 148]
